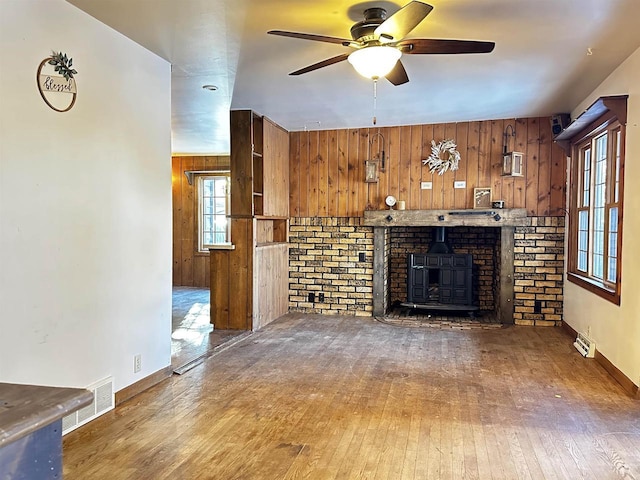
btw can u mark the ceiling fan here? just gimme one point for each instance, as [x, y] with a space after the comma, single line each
[379, 42]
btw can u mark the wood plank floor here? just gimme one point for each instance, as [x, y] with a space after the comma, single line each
[192, 335]
[315, 397]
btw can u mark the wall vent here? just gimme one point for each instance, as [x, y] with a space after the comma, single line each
[103, 401]
[585, 345]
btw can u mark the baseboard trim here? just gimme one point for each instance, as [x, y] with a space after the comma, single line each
[625, 382]
[141, 385]
[568, 329]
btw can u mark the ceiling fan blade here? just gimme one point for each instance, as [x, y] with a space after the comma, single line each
[324, 63]
[310, 36]
[398, 25]
[398, 75]
[434, 47]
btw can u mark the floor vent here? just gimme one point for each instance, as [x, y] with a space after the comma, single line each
[103, 401]
[585, 345]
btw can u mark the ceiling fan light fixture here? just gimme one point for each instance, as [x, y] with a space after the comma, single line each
[376, 61]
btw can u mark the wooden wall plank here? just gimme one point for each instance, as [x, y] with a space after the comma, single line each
[188, 225]
[448, 194]
[294, 174]
[508, 183]
[314, 153]
[544, 168]
[405, 164]
[365, 152]
[323, 173]
[415, 172]
[462, 133]
[484, 155]
[275, 169]
[533, 156]
[304, 174]
[473, 152]
[381, 144]
[520, 183]
[241, 163]
[426, 196]
[271, 279]
[219, 296]
[340, 189]
[497, 129]
[354, 172]
[332, 174]
[393, 164]
[343, 173]
[240, 274]
[437, 198]
[558, 180]
[176, 201]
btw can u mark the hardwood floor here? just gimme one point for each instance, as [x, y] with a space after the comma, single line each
[319, 397]
[192, 335]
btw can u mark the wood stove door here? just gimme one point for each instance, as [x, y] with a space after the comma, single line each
[417, 279]
[455, 280]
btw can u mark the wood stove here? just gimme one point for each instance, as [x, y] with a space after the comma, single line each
[440, 279]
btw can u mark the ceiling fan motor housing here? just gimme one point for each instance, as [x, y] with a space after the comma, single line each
[363, 31]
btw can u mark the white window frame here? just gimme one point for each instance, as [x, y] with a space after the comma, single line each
[204, 247]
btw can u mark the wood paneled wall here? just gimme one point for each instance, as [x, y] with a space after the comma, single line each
[190, 267]
[327, 168]
[275, 169]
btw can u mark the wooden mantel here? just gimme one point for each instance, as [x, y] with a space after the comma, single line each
[505, 219]
[512, 217]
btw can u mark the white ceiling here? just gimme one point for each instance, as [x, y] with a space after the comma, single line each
[549, 55]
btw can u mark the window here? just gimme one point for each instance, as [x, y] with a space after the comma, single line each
[595, 211]
[213, 209]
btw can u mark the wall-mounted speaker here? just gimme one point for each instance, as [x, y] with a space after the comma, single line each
[559, 122]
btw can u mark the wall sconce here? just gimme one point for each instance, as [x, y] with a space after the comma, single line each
[370, 171]
[512, 162]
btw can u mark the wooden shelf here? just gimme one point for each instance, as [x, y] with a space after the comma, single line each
[616, 104]
[270, 244]
[270, 217]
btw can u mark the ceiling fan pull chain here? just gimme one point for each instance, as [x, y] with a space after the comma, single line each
[375, 99]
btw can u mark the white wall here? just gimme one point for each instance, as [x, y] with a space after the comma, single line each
[616, 330]
[85, 204]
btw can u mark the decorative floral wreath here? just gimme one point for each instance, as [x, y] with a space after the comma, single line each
[62, 64]
[439, 165]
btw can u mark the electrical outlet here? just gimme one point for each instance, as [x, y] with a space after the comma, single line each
[460, 184]
[426, 185]
[362, 257]
[321, 297]
[589, 331]
[137, 363]
[312, 297]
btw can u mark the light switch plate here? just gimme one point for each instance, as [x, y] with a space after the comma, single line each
[426, 185]
[460, 184]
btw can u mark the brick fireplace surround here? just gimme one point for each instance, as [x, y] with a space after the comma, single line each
[350, 260]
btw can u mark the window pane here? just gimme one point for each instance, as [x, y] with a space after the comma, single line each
[207, 185]
[221, 187]
[613, 244]
[617, 179]
[583, 239]
[586, 177]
